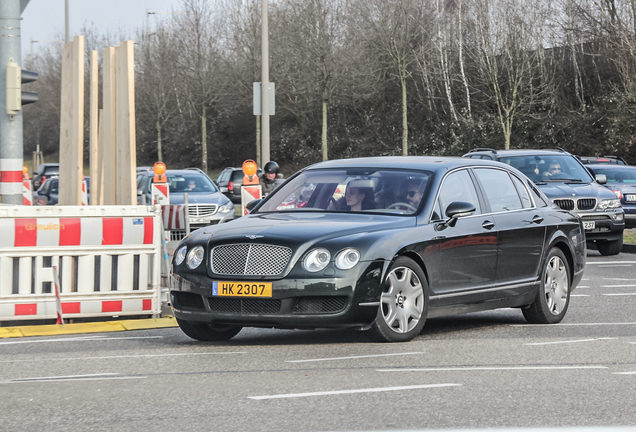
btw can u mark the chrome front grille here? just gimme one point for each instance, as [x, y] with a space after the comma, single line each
[249, 259]
[198, 210]
[565, 204]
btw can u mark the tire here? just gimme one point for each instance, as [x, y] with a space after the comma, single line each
[553, 299]
[610, 247]
[403, 303]
[208, 332]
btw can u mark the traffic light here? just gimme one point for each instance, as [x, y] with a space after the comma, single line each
[15, 96]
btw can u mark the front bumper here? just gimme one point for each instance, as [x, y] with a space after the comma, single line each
[350, 301]
[607, 225]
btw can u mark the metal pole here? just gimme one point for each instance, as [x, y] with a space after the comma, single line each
[264, 86]
[67, 38]
[11, 157]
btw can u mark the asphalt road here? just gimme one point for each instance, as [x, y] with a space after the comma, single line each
[483, 370]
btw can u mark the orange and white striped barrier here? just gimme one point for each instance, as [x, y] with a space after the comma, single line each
[27, 193]
[250, 193]
[84, 193]
[58, 299]
[108, 257]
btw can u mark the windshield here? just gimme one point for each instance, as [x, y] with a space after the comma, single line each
[351, 190]
[617, 176]
[189, 183]
[549, 167]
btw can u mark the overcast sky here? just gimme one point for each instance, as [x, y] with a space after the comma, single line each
[43, 20]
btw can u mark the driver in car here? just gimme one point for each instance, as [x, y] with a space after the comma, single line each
[414, 192]
[553, 170]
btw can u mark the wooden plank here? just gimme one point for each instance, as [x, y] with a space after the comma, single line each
[72, 123]
[95, 161]
[110, 124]
[126, 139]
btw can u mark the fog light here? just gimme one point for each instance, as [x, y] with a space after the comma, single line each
[618, 216]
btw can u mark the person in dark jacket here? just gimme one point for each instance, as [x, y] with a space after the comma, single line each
[270, 179]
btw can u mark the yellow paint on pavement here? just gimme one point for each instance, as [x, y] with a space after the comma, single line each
[89, 327]
[149, 323]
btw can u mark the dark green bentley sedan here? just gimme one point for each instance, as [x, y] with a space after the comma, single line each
[380, 244]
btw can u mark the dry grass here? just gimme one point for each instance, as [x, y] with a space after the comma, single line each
[629, 236]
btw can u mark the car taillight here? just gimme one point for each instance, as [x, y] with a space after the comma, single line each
[618, 194]
[230, 186]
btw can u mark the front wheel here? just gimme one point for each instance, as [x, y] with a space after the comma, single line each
[208, 332]
[403, 303]
[613, 247]
[552, 301]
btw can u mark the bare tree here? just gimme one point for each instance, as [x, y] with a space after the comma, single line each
[200, 53]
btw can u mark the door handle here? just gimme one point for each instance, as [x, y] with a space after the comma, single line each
[488, 225]
[537, 219]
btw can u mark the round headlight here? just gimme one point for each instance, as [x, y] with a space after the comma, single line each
[347, 258]
[180, 255]
[195, 257]
[316, 260]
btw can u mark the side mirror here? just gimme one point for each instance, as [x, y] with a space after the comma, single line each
[252, 204]
[458, 209]
[601, 178]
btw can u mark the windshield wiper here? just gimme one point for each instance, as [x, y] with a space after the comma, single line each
[563, 180]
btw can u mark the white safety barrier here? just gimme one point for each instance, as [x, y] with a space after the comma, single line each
[108, 259]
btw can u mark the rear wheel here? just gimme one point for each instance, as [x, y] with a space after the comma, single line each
[208, 332]
[403, 304]
[551, 303]
[610, 247]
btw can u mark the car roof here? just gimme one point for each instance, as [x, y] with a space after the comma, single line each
[519, 152]
[609, 165]
[185, 171]
[425, 163]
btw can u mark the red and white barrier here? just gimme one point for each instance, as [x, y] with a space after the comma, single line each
[84, 193]
[58, 298]
[27, 192]
[174, 217]
[250, 193]
[108, 257]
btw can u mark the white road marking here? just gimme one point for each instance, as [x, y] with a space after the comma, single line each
[618, 286]
[582, 286]
[78, 339]
[618, 279]
[566, 342]
[620, 294]
[117, 357]
[91, 377]
[610, 262]
[624, 373]
[352, 357]
[491, 368]
[579, 295]
[339, 392]
[616, 265]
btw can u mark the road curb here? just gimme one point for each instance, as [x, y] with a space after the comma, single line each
[90, 327]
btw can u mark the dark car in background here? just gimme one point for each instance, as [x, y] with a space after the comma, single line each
[48, 193]
[230, 181]
[588, 160]
[44, 171]
[419, 237]
[621, 179]
[569, 185]
[206, 204]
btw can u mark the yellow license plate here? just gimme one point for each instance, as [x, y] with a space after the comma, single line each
[242, 289]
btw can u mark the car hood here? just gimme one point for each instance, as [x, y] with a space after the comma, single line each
[200, 198]
[300, 227]
[556, 190]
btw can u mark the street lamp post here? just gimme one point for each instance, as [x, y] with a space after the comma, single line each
[264, 86]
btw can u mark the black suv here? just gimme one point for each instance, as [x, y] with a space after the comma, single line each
[230, 181]
[562, 177]
[45, 170]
